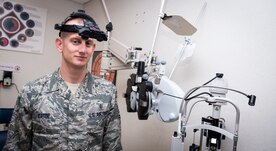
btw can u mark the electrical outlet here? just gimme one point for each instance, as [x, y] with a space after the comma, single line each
[7, 78]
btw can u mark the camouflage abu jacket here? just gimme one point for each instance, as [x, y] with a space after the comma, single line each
[48, 117]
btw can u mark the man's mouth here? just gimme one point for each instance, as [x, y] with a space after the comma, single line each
[81, 57]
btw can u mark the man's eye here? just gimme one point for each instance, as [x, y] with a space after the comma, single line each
[76, 42]
[88, 44]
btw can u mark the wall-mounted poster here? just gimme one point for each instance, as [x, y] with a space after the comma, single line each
[22, 27]
[110, 75]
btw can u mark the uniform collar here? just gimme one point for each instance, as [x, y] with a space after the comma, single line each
[58, 84]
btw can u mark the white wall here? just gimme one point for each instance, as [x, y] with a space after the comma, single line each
[36, 65]
[233, 37]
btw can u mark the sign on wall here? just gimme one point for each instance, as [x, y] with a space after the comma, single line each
[10, 67]
[22, 27]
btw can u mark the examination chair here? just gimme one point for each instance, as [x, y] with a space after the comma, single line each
[5, 118]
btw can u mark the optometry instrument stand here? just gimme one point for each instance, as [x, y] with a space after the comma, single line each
[211, 127]
[149, 91]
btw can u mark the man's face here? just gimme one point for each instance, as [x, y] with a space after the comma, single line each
[76, 52]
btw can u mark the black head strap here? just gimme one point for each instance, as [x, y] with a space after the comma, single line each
[89, 30]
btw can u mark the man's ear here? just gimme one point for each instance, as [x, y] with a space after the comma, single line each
[59, 44]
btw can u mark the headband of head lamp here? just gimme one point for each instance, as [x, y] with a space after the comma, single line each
[89, 30]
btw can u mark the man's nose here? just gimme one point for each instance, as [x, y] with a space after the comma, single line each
[83, 47]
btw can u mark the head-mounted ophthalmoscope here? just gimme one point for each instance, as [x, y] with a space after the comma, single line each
[89, 30]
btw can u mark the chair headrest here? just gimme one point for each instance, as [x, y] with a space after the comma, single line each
[5, 115]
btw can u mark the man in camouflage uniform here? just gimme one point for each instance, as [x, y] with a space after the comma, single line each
[69, 109]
